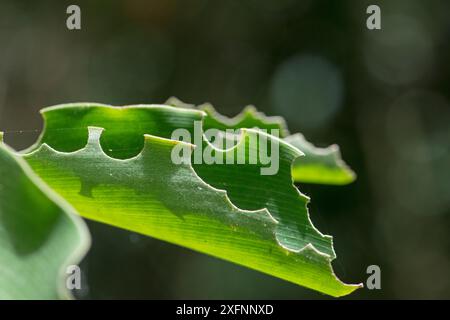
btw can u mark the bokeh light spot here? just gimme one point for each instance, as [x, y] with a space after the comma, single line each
[401, 52]
[307, 90]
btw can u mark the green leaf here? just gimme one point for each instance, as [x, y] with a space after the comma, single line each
[39, 234]
[125, 176]
[249, 118]
[319, 165]
[65, 126]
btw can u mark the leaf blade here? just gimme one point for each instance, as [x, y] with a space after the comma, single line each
[318, 166]
[142, 200]
[40, 235]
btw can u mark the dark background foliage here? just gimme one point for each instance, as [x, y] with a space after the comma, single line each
[383, 96]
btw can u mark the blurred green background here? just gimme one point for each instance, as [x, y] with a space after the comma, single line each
[382, 95]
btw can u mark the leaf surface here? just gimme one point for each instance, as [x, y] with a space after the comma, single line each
[319, 165]
[40, 234]
[125, 176]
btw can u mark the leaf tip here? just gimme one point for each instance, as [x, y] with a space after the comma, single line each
[348, 289]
